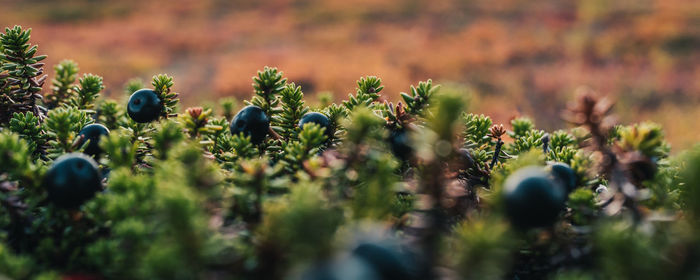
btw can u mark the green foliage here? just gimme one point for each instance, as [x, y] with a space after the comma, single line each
[158, 224]
[16, 161]
[666, 187]
[627, 253]
[615, 133]
[165, 137]
[66, 73]
[162, 85]
[230, 149]
[185, 199]
[20, 83]
[219, 127]
[84, 96]
[374, 198]
[482, 248]
[29, 127]
[368, 89]
[110, 114]
[690, 178]
[560, 139]
[336, 113]
[362, 126]
[482, 157]
[19, 58]
[62, 126]
[287, 220]
[292, 110]
[228, 106]
[563, 154]
[402, 204]
[445, 116]
[528, 140]
[419, 97]
[133, 85]
[325, 98]
[196, 123]
[476, 132]
[582, 202]
[268, 84]
[298, 151]
[14, 267]
[120, 149]
[520, 127]
[579, 161]
[647, 137]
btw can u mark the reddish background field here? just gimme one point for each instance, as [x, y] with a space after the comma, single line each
[515, 57]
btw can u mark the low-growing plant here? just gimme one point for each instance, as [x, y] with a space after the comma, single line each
[96, 188]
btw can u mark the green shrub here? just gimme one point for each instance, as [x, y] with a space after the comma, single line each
[185, 199]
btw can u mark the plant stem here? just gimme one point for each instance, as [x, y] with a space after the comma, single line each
[496, 154]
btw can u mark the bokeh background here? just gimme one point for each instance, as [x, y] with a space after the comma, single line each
[515, 57]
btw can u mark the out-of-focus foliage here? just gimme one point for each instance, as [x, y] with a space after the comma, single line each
[416, 189]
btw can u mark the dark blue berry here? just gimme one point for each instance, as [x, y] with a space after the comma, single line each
[532, 198]
[564, 175]
[251, 121]
[400, 144]
[319, 119]
[144, 106]
[71, 180]
[388, 261]
[92, 133]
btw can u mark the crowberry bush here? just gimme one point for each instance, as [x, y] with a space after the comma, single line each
[136, 188]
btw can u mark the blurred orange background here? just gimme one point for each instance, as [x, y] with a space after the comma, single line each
[515, 57]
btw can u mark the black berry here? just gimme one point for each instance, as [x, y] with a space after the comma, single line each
[317, 118]
[532, 198]
[564, 175]
[144, 106]
[400, 144]
[71, 180]
[92, 133]
[251, 121]
[386, 260]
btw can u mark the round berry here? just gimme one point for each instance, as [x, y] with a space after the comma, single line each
[400, 144]
[71, 180]
[532, 199]
[386, 260]
[317, 118]
[144, 106]
[251, 121]
[92, 133]
[564, 175]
